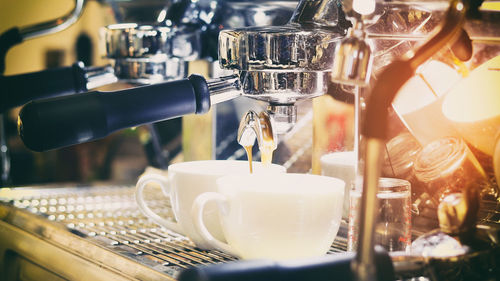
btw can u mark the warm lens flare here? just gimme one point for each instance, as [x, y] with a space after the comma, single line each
[418, 103]
[473, 106]
[364, 7]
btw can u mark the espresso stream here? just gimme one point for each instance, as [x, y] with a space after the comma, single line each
[266, 147]
[248, 149]
[266, 154]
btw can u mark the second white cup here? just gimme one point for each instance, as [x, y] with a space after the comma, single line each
[342, 165]
[184, 183]
[283, 216]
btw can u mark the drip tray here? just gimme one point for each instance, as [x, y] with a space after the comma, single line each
[101, 230]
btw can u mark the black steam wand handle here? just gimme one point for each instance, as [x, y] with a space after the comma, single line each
[64, 121]
[326, 268]
[20, 89]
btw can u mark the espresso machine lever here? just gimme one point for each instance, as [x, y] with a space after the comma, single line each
[68, 120]
[53, 82]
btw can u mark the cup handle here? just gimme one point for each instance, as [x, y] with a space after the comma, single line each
[197, 215]
[143, 181]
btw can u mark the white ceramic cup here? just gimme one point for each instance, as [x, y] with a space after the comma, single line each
[185, 182]
[283, 216]
[340, 165]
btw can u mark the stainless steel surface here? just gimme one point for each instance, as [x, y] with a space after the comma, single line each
[148, 54]
[224, 88]
[150, 70]
[353, 58]
[283, 87]
[284, 116]
[257, 13]
[131, 40]
[256, 126]
[82, 233]
[143, 11]
[287, 48]
[99, 76]
[284, 64]
[323, 13]
[53, 26]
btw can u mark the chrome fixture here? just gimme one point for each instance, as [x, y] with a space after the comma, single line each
[353, 56]
[147, 54]
[266, 126]
[284, 116]
[224, 88]
[285, 64]
[55, 25]
[257, 126]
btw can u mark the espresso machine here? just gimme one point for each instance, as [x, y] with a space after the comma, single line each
[371, 49]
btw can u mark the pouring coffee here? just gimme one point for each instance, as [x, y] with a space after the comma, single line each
[184, 182]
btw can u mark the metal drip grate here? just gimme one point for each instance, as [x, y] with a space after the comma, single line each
[109, 217]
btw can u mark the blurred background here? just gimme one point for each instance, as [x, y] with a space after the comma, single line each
[119, 157]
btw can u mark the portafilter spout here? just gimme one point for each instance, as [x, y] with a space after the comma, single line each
[257, 126]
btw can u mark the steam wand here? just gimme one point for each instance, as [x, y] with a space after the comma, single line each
[375, 128]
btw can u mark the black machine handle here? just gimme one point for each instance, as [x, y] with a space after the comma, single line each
[8, 39]
[63, 121]
[326, 268]
[20, 89]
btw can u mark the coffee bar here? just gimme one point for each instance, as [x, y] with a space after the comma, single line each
[213, 140]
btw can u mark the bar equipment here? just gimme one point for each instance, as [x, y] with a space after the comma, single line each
[353, 56]
[20, 89]
[16, 36]
[182, 187]
[435, 245]
[39, 85]
[393, 226]
[283, 113]
[151, 52]
[270, 69]
[424, 263]
[380, 99]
